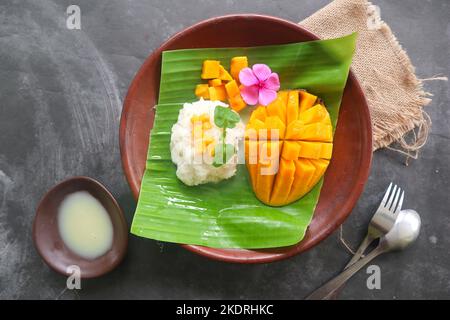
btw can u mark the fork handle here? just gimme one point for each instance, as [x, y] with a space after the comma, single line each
[358, 254]
[362, 248]
[328, 288]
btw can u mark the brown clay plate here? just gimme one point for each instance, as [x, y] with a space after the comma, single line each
[349, 168]
[48, 241]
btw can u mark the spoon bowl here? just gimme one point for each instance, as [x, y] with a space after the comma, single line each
[49, 243]
[404, 232]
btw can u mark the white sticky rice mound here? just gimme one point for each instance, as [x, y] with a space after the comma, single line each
[194, 170]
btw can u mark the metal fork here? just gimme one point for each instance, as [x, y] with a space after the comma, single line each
[382, 221]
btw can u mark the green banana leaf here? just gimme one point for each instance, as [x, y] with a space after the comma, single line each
[227, 214]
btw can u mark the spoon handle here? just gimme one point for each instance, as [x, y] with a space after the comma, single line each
[358, 254]
[328, 288]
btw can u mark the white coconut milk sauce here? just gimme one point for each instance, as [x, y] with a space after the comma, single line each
[84, 225]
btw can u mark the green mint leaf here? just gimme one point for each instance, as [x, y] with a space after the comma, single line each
[233, 119]
[219, 117]
[222, 153]
[225, 117]
[218, 155]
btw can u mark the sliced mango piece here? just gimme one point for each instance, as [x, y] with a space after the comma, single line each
[213, 94]
[267, 168]
[315, 150]
[321, 166]
[253, 128]
[197, 131]
[237, 103]
[259, 113]
[251, 160]
[326, 119]
[283, 182]
[275, 128]
[201, 91]
[204, 117]
[316, 132]
[307, 100]
[224, 75]
[283, 95]
[206, 125]
[221, 93]
[264, 182]
[277, 108]
[201, 123]
[291, 150]
[293, 130]
[269, 153]
[310, 132]
[252, 152]
[208, 140]
[211, 69]
[292, 107]
[232, 88]
[318, 113]
[215, 82]
[236, 65]
[201, 145]
[304, 173]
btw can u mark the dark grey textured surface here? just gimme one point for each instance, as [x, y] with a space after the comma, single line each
[60, 103]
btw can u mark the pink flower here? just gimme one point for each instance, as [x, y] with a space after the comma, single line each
[260, 85]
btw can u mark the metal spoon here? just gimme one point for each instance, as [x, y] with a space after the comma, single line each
[403, 233]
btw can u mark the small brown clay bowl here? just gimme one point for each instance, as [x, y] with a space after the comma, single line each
[352, 151]
[48, 241]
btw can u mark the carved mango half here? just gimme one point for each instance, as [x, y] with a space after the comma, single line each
[288, 147]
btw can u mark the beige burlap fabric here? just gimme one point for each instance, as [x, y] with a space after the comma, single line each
[394, 93]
